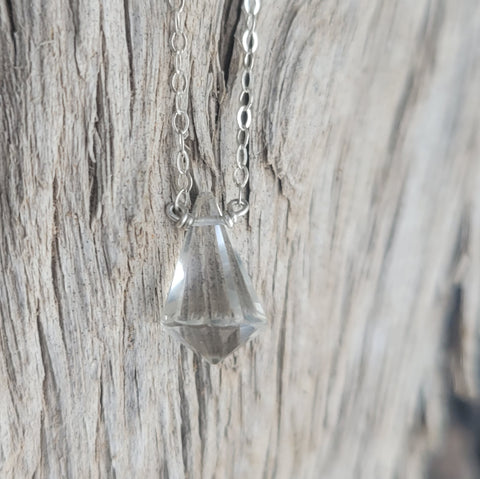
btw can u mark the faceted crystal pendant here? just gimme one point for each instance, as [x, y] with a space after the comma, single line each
[211, 306]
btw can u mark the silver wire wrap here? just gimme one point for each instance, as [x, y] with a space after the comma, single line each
[178, 211]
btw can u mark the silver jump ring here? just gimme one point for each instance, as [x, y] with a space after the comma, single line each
[246, 78]
[244, 118]
[245, 98]
[243, 137]
[237, 208]
[250, 41]
[183, 162]
[181, 218]
[178, 21]
[178, 101]
[181, 200]
[179, 82]
[251, 21]
[242, 156]
[184, 182]
[251, 6]
[185, 220]
[181, 122]
[178, 61]
[241, 176]
[178, 48]
[248, 60]
[181, 142]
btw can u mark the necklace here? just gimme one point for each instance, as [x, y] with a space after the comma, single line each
[212, 306]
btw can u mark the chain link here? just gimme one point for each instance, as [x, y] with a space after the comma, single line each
[241, 175]
[178, 211]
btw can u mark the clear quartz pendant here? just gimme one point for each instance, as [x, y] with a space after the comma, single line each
[211, 307]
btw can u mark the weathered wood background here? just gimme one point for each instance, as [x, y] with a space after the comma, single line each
[364, 240]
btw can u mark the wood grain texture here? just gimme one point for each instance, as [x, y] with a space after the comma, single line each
[363, 238]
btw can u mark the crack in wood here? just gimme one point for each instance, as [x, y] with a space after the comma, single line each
[232, 13]
[13, 30]
[185, 429]
[129, 44]
[55, 260]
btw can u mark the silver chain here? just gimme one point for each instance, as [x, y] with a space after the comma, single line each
[240, 206]
[178, 211]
